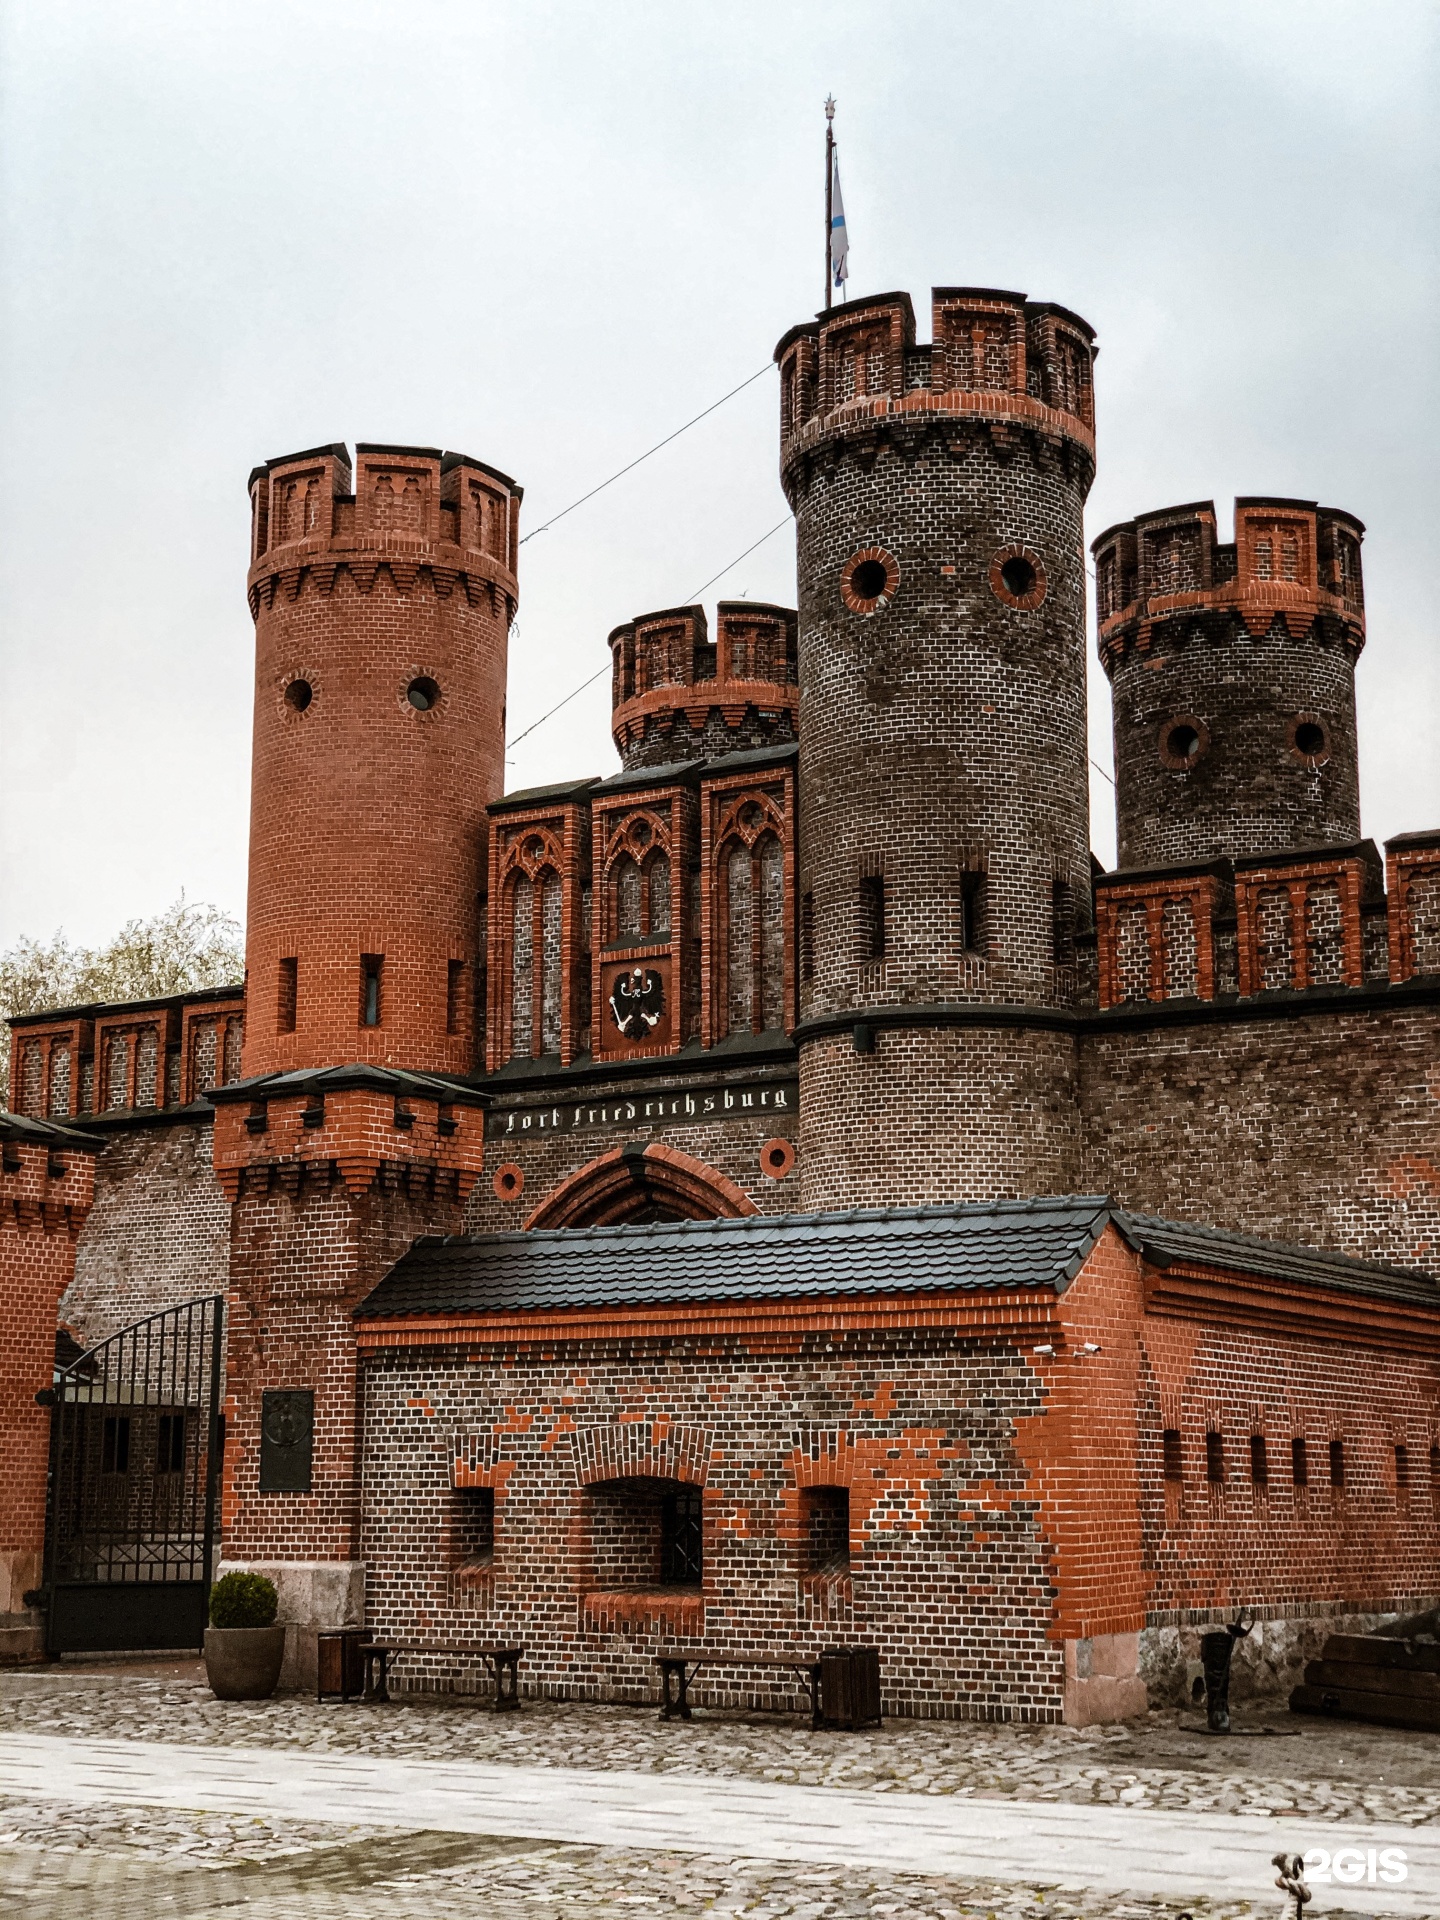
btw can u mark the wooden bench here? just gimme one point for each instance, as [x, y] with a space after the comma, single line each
[680, 1666]
[504, 1664]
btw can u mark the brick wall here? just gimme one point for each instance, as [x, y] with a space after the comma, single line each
[1322, 1129]
[45, 1191]
[948, 1567]
[157, 1234]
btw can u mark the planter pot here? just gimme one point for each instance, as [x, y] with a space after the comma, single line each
[243, 1663]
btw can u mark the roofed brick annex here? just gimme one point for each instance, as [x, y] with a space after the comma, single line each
[784, 1191]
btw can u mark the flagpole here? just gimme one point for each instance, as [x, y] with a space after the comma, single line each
[829, 186]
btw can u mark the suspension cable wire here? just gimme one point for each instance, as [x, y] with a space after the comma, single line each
[689, 599]
[555, 517]
[695, 595]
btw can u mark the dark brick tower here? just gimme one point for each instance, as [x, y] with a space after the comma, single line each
[944, 825]
[1233, 670]
[381, 622]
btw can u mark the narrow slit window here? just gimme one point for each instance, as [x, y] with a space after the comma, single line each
[972, 913]
[807, 936]
[170, 1451]
[1299, 1462]
[681, 1536]
[1337, 1463]
[287, 997]
[1170, 1453]
[1402, 1465]
[372, 967]
[1259, 1462]
[872, 917]
[454, 995]
[1215, 1458]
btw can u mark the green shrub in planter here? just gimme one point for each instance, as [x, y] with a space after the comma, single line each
[243, 1600]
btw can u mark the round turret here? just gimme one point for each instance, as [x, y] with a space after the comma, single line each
[678, 695]
[382, 613]
[1233, 669]
[944, 826]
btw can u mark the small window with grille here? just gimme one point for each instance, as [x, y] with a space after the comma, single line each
[170, 1448]
[681, 1559]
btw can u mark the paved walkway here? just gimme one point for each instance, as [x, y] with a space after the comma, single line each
[1124, 1850]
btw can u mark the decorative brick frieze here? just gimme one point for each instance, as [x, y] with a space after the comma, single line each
[1298, 919]
[1412, 863]
[538, 964]
[1155, 933]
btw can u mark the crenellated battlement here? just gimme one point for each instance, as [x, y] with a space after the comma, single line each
[1164, 576]
[678, 695]
[998, 358]
[413, 511]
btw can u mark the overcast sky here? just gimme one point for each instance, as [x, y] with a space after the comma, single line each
[548, 234]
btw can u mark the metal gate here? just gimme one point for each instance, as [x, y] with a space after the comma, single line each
[135, 1442]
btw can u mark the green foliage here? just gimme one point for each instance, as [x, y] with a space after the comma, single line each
[185, 947]
[243, 1600]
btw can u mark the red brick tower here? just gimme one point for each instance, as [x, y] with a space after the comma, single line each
[381, 618]
[944, 823]
[1234, 675]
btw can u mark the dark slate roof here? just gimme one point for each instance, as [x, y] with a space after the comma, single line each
[48, 1133]
[791, 1256]
[359, 1073]
[1011, 1244]
[1166, 1242]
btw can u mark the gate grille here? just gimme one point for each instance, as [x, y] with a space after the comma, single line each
[135, 1441]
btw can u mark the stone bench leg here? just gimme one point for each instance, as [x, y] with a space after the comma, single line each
[674, 1682]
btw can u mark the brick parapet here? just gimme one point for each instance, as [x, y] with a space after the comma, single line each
[365, 1137]
[1021, 369]
[128, 1057]
[675, 696]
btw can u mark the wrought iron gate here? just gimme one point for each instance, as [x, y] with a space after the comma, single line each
[135, 1440]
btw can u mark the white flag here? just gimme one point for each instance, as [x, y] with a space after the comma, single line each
[839, 238]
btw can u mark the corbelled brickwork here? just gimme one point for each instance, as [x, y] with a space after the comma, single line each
[381, 623]
[1233, 670]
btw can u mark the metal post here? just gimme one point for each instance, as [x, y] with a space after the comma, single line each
[829, 186]
[214, 1437]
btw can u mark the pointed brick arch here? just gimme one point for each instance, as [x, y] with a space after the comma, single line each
[631, 1181]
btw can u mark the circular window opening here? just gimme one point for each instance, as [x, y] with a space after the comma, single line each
[422, 694]
[1018, 576]
[1182, 742]
[509, 1181]
[868, 580]
[1310, 738]
[298, 695]
[1183, 739]
[777, 1157]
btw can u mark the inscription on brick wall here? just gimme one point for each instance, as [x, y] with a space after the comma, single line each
[656, 1108]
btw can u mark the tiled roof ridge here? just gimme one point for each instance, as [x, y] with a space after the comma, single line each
[1143, 1229]
[1074, 1205]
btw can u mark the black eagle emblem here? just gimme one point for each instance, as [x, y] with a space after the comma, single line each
[637, 1002]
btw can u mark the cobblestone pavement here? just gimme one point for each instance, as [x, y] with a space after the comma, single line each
[63, 1862]
[59, 1860]
[1322, 1769]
